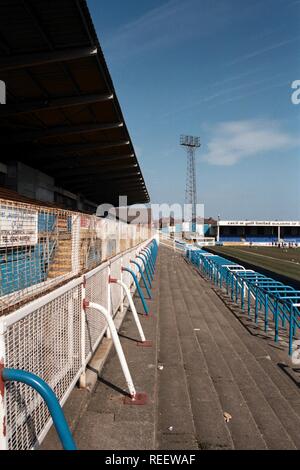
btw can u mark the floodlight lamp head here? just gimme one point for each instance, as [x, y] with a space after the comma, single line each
[190, 141]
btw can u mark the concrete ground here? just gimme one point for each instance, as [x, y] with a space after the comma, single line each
[208, 363]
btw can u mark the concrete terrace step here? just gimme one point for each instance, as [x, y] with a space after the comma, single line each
[266, 419]
[265, 356]
[64, 265]
[54, 274]
[64, 249]
[107, 422]
[277, 352]
[282, 397]
[175, 417]
[180, 345]
[277, 397]
[211, 360]
[271, 411]
[243, 429]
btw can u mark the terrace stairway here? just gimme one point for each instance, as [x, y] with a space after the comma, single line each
[62, 261]
[228, 367]
[214, 362]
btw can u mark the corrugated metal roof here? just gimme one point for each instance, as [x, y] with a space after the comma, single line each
[62, 114]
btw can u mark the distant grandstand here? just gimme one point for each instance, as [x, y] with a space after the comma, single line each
[261, 232]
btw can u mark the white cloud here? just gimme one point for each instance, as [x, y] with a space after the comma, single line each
[237, 140]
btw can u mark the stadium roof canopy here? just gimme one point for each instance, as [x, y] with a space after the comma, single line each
[62, 114]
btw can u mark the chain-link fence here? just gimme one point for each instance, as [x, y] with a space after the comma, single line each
[54, 338]
[50, 260]
[41, 247]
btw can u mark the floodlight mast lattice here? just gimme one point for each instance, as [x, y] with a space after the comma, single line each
[191, 143]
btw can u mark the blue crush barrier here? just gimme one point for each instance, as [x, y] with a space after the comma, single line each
[154, 250]
[143, 258]
[262, 296]
[148, 259]
[140, 292]
[143, 277]
[149, 253]
[57, 414]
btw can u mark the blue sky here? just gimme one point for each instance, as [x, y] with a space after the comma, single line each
[220, 69]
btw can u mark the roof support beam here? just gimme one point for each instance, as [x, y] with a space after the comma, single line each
[104, 190]
[39, 134]
[105, 193]
[97, 169]
[56, 103]
[124, 184]
[105, 196]
[116, 202]
[85, 162]
[76, 148]
[109, 176]
[103, 176]
[85, 182]
[16, 62]
[120, 189]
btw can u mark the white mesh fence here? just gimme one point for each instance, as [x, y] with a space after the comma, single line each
[95, 324]
[36, 246]
[126, 277]
[46, 342]
[46, 337]
[43, 247]
[116, 291]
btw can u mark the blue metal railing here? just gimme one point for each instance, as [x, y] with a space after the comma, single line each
[148, 257]
[140, 292]
[148, 261]
[261, 295]
[142, 277]
[143, 259]
[57, 414]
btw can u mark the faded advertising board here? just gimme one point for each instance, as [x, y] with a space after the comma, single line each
[18, 227]
[260, 223]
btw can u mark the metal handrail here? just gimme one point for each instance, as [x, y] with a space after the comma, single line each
[269, 295]
[140, 292]
[146, 268]
[148, 254]
[135, 398]
[142, 276]
[132, 306]
[55, 410]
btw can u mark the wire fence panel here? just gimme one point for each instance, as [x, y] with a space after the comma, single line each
[42, 247]
[45, 342]
[32, 240]
[97, 292]
[126, 277]
[116, 291]
[49, 260]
